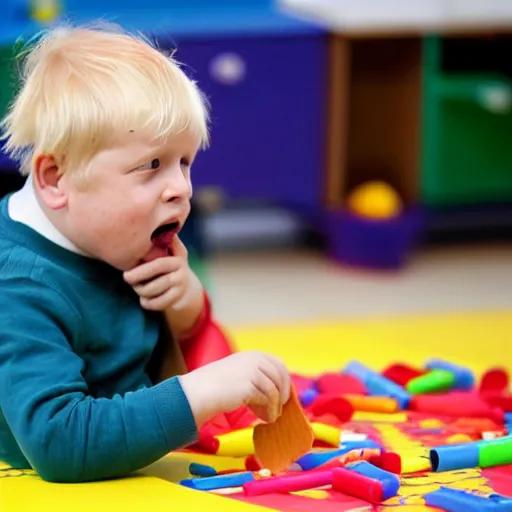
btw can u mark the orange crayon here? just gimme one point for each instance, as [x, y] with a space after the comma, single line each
[372, 403]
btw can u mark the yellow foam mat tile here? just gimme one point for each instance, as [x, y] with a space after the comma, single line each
[479, 340]
[142, 493]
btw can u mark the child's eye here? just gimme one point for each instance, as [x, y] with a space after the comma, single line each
[153, 165]
[185, 163]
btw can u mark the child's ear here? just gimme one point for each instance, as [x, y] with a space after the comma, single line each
[47, 179]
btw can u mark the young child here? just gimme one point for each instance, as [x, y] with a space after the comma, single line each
[93, 276]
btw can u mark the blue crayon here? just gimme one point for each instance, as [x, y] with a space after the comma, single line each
[315, 459]
[307, 396]
[219, 481]
[456, 500]
[452, 457]
[508, 422]
[389, 481]
[464, 378]
[377, 384]
[197, 469]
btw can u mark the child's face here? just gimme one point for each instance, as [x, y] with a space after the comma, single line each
[134, 189]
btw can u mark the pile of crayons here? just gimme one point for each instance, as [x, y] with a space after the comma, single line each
[480, 415]
[371, 474]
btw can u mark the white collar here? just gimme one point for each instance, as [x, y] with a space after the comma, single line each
[25, 208]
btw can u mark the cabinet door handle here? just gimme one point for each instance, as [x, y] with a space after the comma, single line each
[228, 68]
[497, 99]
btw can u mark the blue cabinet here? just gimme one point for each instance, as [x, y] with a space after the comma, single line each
[267, 100]
[265, 76]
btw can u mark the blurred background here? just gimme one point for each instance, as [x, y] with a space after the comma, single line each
[361, 158]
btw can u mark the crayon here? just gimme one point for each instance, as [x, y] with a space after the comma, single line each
[415, 464]
[326, 433]
[483, 454]
[219, 481]
[372, 403]
[454, 456]
[496, 452]
[197, 469]
[357, 485]
[495, 381]
[314, 459]
[464, 378]
[367, 454]
[237, 443]
[388, 461]
[340, 384]
[401, 374]
[334, 404]
[460, 404]
[457, 500]
[431, 382]
[288, 483]
[307, 396]
[377, 384]
[251, 464]
[390, 482]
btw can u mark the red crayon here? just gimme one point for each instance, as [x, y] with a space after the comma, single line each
[288, 483]
[353, 484]
[401, 374]
[388, 461]
[251, 464]
[334, 404]
[339, 383]
[460, 404]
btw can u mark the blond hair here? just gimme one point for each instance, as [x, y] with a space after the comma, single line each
[82, 87]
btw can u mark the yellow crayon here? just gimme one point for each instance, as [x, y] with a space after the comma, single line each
[237, 443]
[327, 433]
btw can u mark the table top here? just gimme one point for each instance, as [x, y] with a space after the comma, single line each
[397, 16]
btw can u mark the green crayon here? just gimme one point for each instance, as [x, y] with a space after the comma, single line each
[431, 382]
[497, 452]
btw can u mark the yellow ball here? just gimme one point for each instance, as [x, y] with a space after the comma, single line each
[375, 199]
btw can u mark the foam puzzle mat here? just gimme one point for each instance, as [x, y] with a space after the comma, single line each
[478, 341]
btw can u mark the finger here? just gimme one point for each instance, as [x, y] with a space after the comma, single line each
[163, 301]
[271, 371]
[261, 412]
[147, 271]
[155, 287]
[278, 372]
[258, 404]
[265, 386]
[178, 247]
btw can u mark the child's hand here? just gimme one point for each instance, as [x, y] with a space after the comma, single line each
[164, 281]
[258, 380]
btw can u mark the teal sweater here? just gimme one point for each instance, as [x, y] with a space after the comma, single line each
[76, 398]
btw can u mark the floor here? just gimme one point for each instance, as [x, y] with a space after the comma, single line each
[286, 287]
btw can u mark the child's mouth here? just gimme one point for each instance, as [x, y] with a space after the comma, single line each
[162, 236]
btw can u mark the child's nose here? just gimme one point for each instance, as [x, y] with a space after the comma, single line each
[178, 186]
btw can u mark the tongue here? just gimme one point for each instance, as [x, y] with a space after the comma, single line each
[161, 247]
[164, 240]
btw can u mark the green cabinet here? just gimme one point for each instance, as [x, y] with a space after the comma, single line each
[467, 123]
[7, 77]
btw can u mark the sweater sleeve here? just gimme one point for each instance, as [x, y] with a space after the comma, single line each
[65, 433]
